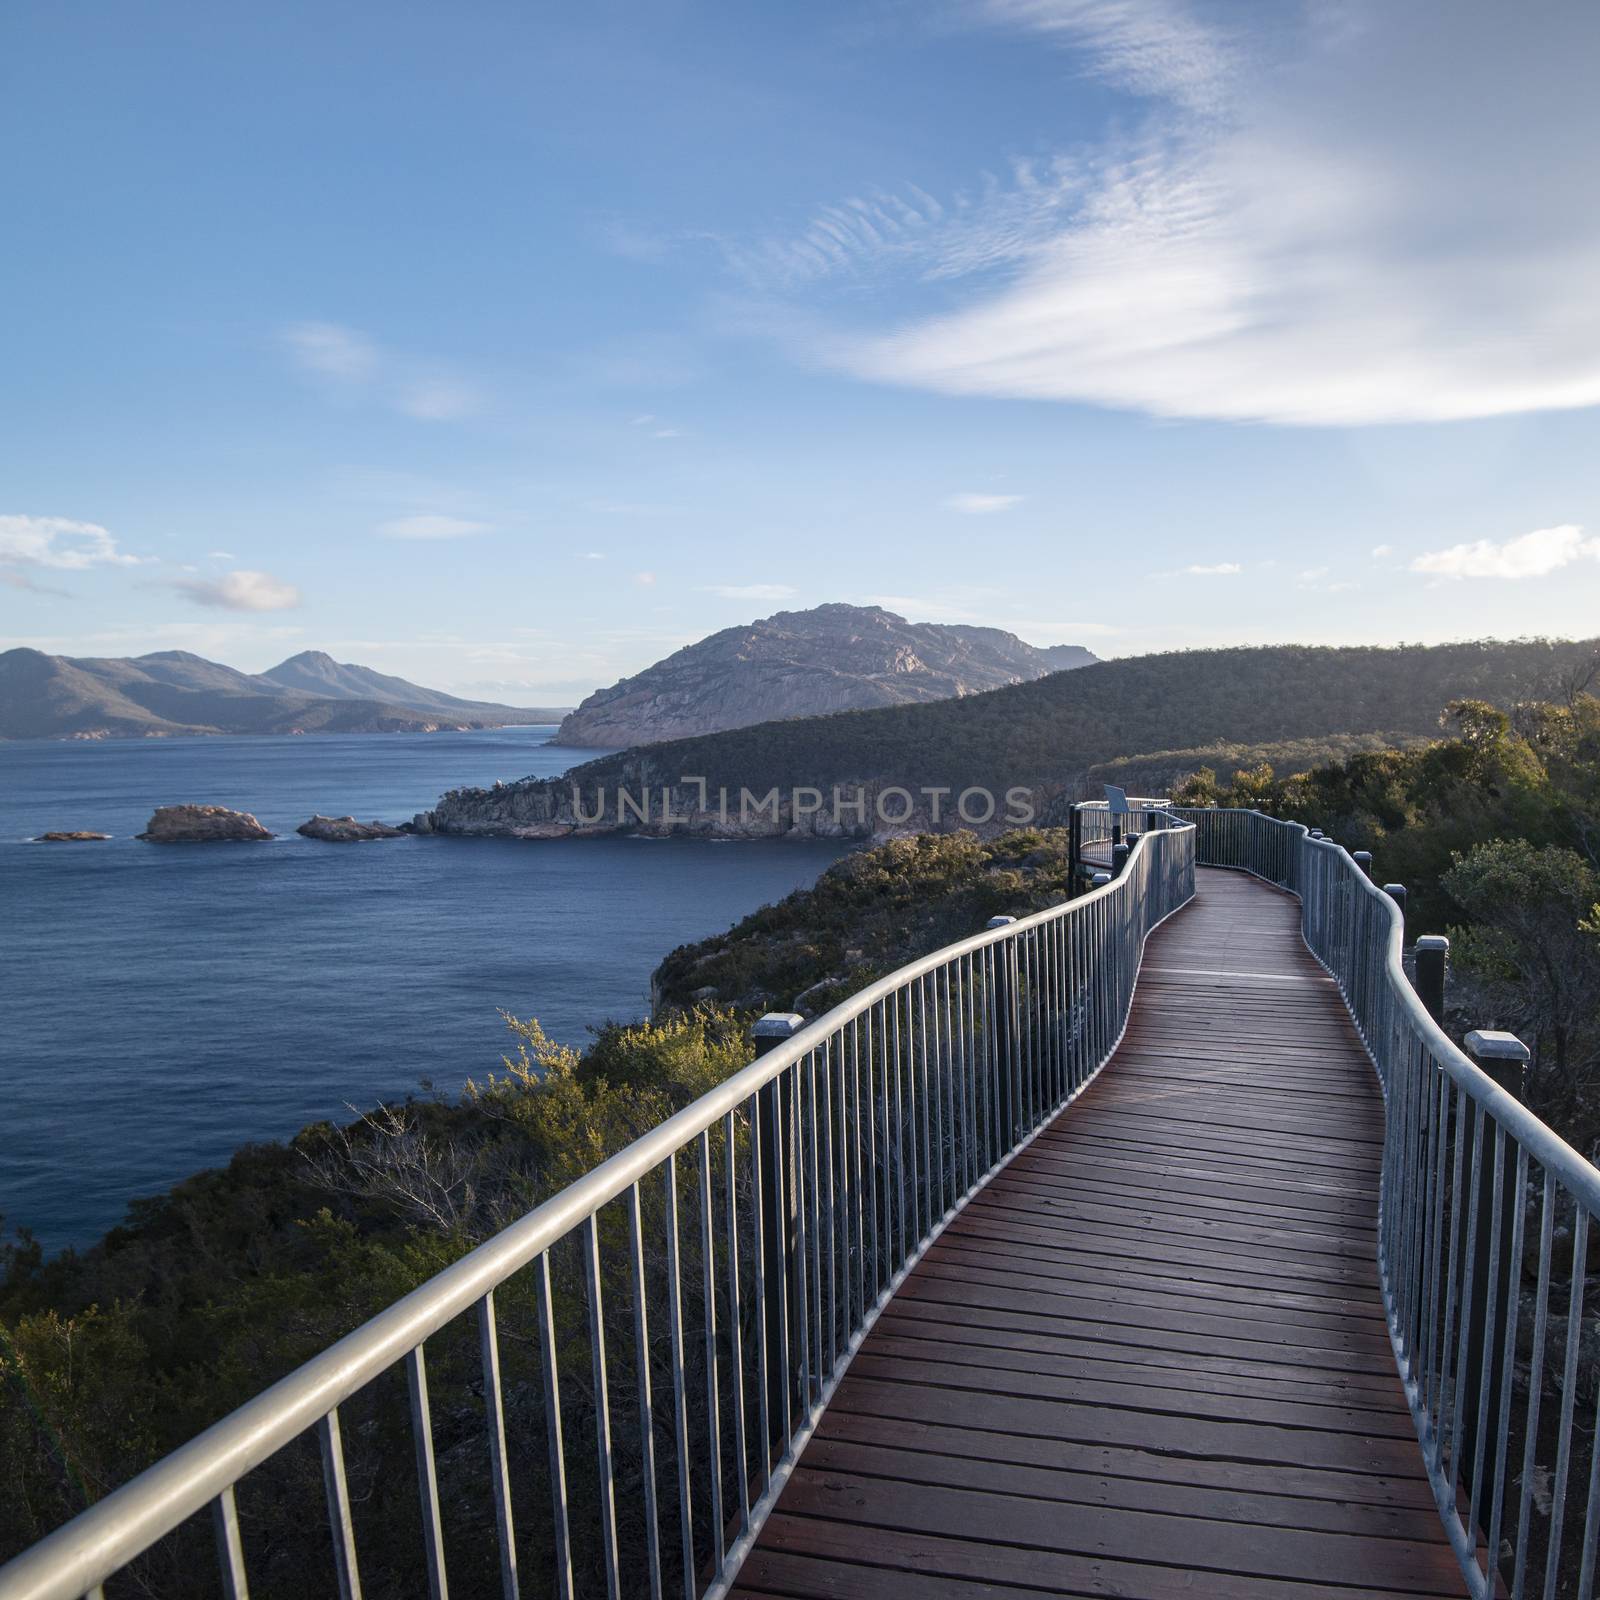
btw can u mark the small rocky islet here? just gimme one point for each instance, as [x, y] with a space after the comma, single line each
[346, 830]
[198, 824]
[70, 836]
[190, 824]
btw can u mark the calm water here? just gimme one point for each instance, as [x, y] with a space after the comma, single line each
[165, 1004]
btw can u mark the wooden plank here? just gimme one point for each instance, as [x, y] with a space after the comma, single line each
[1150, 1358]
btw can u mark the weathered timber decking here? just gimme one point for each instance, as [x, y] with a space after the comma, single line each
[1149, 1359]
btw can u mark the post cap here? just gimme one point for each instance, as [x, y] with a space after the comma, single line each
[1490, 1044]
[999, 922]
[1394, 888]
[1361, 855]
[1099, 878]
[778, 1025]
[1433, 941]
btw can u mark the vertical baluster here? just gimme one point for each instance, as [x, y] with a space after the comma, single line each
[1541, 1320]
[1569, 1394]
[338, 1492]
[230, 1548]
[765, 1335]
[602, 1407]
[924, 1045]
[427, 1477]
[499, 1470]
[1508, 1355]
[860, 1124]
[811, 1149]
[647, 1420]
[1472, 1116]
[741, 1448]
[680, 1408]
[552, 1416]
[708, 1286]
[830, 1209]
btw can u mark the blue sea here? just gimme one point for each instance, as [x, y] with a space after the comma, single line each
[164, 1004]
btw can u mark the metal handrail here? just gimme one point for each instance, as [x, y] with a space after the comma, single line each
[820, 1173]
[1470, 1174]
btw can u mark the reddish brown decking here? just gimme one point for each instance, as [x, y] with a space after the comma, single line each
[1149, 1360]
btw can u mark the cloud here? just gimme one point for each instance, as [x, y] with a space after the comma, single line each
[1530, 555]
[1381, 552]
[594, 555]
[14, 579]
[221, 555]
[346, 361]
[645, 580]
[331, 351]
[437, 400]
[752, 591]
[1151, 47]
[57, 542]
[241, 591]
[1320, 230]
[430, 527]
[1219, 569]
[982, 505]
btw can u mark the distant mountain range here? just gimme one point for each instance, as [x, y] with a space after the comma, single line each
[803, 664]
[173, 692]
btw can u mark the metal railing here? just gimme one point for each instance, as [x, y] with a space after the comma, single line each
[1485, 1223]
[669, 1326]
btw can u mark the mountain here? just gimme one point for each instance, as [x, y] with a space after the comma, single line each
[802, 663]
[1042, 737]
[315, 672]
[172, 692]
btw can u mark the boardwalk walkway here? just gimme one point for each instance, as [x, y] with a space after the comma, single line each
[1149, 1360]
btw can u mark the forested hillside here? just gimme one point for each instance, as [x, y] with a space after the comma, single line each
[1058, 727]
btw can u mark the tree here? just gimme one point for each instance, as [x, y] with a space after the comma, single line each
[1530, 959]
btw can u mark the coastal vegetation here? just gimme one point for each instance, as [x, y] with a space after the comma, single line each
[1495, 832]
[1043, 736]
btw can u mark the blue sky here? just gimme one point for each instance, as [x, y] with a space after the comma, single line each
[509, 347]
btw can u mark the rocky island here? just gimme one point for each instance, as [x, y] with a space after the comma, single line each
[202, 825]
[70, 836]
[346, 830]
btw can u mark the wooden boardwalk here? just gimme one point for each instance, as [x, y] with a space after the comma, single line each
[1149, 1359]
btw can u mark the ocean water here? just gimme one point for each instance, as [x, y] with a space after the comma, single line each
[161, 1005]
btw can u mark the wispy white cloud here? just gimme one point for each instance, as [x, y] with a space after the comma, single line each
[346, 361]
[1216, 569]
[1318, 228]
[220, 555]
[1381, 552]
[331, 351]
[752, 591]
[1151, 47]
[426, 526]
[58, 542]
[1529, 555]
[13, 578]
[982, 505]
[645, 580]
[240, 591]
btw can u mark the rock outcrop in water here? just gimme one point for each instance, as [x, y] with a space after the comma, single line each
[70, 836]
[202, 825]
[346, 830]
[805, 663]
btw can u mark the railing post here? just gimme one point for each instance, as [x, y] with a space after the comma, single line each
[1119, 858]
[1098, 879]
[1005, 1036]
[775, 1135]
[1363, 859]
[1433, 954]
[1074, 846]
[1505, 1058]
[1397, 893]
